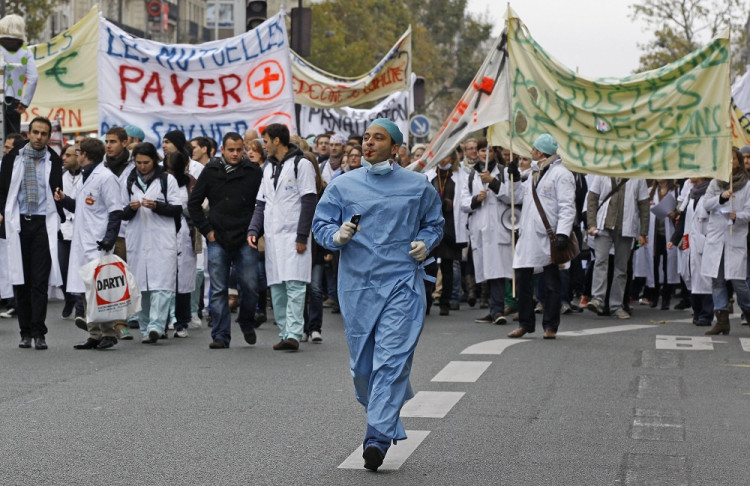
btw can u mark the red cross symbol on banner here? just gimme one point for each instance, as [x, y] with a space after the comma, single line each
[266, 81]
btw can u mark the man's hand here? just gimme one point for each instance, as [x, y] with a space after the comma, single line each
[301, 247]
[482, 195]
[148, 203]
[210, 236]
[418, 250]
[513, 171]
[252, 240]
[561, 242]
[345, 233]
[726, 194]
[592, 231]
[59, 195]
[733, 215]
[486, 177]
[642, 240]
[21, 108]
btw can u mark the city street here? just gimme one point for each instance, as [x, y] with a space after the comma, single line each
[649, 400]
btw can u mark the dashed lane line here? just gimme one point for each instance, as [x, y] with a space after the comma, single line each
[431, 404]
[462, 371]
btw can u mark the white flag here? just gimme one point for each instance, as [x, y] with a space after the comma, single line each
[485, 102]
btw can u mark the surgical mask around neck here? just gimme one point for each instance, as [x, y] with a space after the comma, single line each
[445, 166]
[535, 166]
[378, 169]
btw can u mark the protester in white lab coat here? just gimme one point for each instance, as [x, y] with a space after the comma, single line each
[154, 202]
[555, 188]
[690, 238]
[176, 165]
[726, 241]
[71, 177]
[664, 261]
[98, 212]
[485, 198]
[283, 214]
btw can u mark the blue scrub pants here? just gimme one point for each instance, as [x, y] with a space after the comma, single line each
[289, 308]
[196, 296]
[154, 310]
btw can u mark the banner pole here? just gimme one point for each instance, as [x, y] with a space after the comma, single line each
[512, 182]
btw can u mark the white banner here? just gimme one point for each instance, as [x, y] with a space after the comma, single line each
[208, 90]
[318, 88]
[741, 92]
[314, 121]
[485, 102]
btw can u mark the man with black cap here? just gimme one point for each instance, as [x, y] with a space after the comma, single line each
[175, 140]
[384, 221]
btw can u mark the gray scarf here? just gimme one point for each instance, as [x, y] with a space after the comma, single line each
[29, 177]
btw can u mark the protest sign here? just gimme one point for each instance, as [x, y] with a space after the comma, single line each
[314, 121]
[320, 89]
[67, 86]
[484, 103]
[671, 122]
[208, 90]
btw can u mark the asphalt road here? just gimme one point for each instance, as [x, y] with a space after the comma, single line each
[609, 406]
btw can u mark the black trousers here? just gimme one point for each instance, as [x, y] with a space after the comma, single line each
[552, 298]
[12, 117]
[446, 270]
[31, 297]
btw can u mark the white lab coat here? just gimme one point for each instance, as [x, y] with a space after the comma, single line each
[280, 220]
[490, 241]
[635, 190]
[556, 191]
[151, 238]
[122, 181]
[720, 240]
[13, 225]
[186, 258]
[70, 188]
[327, 173]
[696, 227]
[643, 259]
[195, 168]
[97, 197]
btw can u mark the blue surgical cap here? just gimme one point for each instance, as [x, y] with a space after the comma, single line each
[135, 132]
[391, 128]
[546, 144]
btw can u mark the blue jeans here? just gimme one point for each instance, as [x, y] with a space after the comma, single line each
[456, 290]
[220, 261]
[721, 296]
[314, 322]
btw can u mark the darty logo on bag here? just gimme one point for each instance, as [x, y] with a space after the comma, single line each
[111, 283]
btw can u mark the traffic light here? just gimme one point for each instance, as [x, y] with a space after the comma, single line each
[301, 31]
[419, 92]
[255, 13]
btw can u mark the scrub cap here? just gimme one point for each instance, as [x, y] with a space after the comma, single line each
[391, 128]
[338, 138]
[135, 132]
[546, 144]
[745, 150]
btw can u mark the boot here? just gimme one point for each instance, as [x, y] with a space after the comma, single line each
[722, 324]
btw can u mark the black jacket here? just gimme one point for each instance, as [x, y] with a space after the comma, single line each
[231, 199]
[6, 173]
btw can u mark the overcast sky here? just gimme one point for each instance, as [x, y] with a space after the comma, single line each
[596, 36]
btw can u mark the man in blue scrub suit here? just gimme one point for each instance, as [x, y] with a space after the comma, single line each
[381, 269]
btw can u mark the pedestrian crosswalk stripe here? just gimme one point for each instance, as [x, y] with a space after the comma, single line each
[745, 342]
[396, 455]
[686, 343]
[496, 346]
[431, 404]
[605, 330]
[462, 371]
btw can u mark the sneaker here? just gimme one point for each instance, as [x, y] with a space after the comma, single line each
[621, 314]
[539, 308]
[304, 338]
[171, 326]
[153, 335]
[8, 313]
[217, 344]
[195, 323]
[644, 301]
[499, 319]
[124, 335]
[484, 320]
[595, 306]
[80, 323]
[566, 309]
[316, 337]
[182, 333]
[743, 319]
[328, 303]
[260, 318]
[583, 302]
[250, 337]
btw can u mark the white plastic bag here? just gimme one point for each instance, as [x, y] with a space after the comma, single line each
[112, 293]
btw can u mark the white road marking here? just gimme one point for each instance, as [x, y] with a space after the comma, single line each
[431, 404]
[462, 371]
[745, 342]
[605, 330]
[496, 346]
[686, 343]
[396, 455]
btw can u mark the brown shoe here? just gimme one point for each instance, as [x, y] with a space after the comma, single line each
[520, 332]
[279, 346]
[291, 344]
[549, 334]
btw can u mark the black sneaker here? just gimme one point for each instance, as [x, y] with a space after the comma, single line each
[484, 320]
[68, 309]
[81, 323]
[106, 342]
[216, 344]
[250, 337]
[499, 319]
[373, 458]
